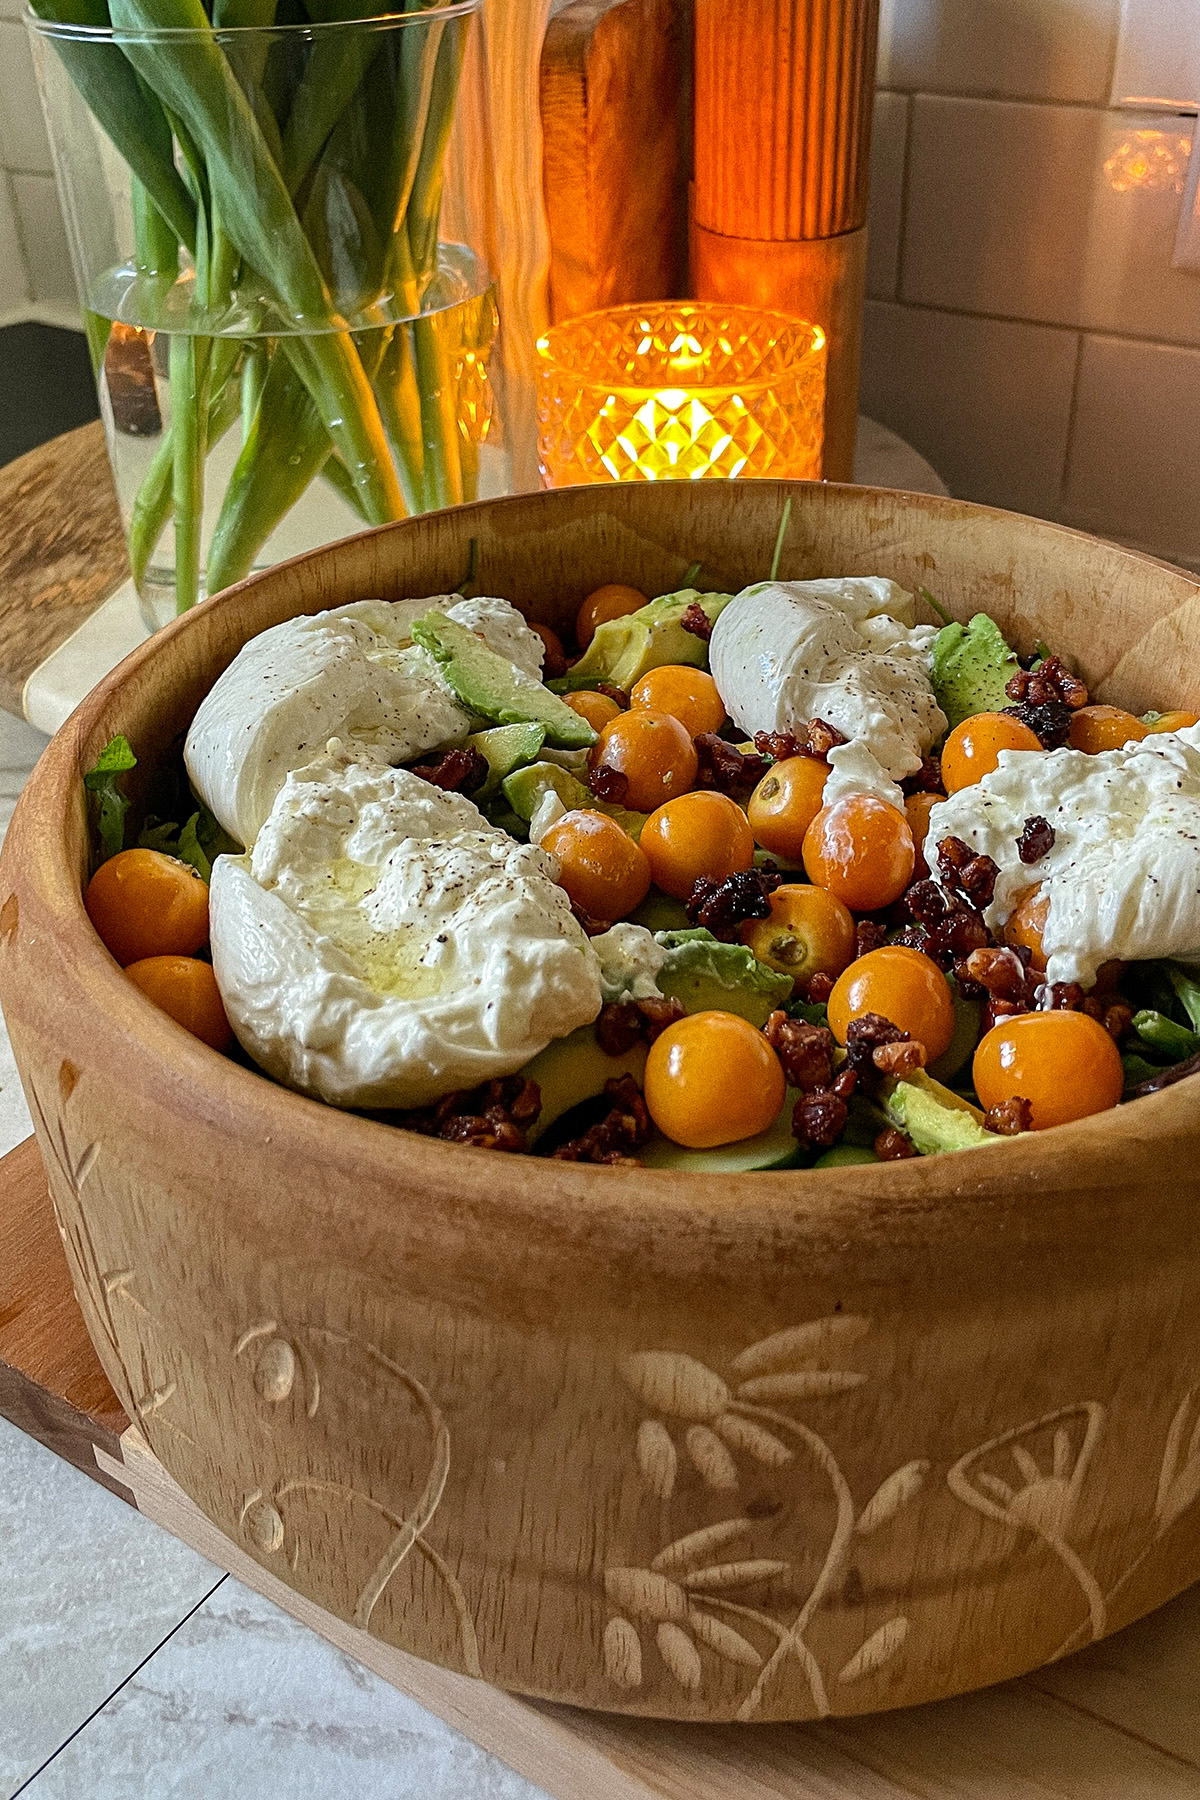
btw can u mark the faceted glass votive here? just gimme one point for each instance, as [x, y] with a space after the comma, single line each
[680, 390]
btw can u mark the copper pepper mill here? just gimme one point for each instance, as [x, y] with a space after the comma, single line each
[783, 100]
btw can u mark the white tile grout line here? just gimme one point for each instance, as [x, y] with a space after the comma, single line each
[84, 1723]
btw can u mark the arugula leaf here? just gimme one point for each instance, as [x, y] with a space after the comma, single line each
[1187, 991]
[198, 842]
[935, 606]
[114, 760]
[1164, 1037]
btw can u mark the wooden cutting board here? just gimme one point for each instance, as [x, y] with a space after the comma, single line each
[1116, 1722]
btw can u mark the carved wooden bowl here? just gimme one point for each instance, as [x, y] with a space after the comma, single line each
[762, 1448]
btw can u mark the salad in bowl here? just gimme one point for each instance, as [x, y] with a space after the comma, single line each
[778, 878]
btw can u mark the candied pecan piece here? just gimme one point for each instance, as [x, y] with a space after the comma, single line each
[863, 1037]
[869, 935]
[964, 871]
[593, 927]
[925, 901]
[894, 1146]
[900, 1059]
[1036, 839]
[926, 780]
[819, 1119]
[658, 1014]
[1046, 685]
[817, 989]
[844, 1083]
[697, 621]
[457, 772]
[624, 1128]
[997, 969]
[1010, 1117]
[1058, 996]
[723, 906]
[779, 745]
[822, 737]
[612, 692]
[609, 785]
[1117, 1019]
[723, 766]
[491, 1117]
[995, 1010]
[806, 1051]
[619, 1027]
[554, 661]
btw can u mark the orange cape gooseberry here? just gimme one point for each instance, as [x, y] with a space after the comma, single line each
[1064, 1063]
[598, 709]
[689, 695]
[785, 803]
[611, 601]
[702, 833]
[143, 903]
[917, 808]
[601, 868]
[809, 932]
[653, 752]
[1172, 721]
[186, 989]
[861, 849]
[712, 1079]
[1097, 728]
[904, 986]
[1026, 923]
[973, 748]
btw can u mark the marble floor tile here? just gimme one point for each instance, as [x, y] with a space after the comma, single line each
[88, 1588]
[242, 1702]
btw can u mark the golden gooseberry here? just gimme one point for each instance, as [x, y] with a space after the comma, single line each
[597, 709]
[653, 752]
[1064, 1063]
[1096, 728]
[712, 1079]
[1172, 721]
[861, 849]
[689, 695]
[785, 803]
[187, 990]
[1026, 923]
[973, 748]
[904, 986]
[809, 932]
[701, 833]
[602, 869]
[917, 808]
[143, 903]
[611, 601]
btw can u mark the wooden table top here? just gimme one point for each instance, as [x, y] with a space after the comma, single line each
[62, 550]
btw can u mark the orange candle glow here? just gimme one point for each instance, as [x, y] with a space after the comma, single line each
[675, 390]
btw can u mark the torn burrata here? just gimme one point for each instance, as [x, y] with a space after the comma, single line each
[383, 945]
[353, 673]
[1122, 878]
[846, 650]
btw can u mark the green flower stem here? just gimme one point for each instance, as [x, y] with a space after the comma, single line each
[152, 507]
[400, 404]
[189, 408]
[196, 83]
[254, 375]
[439, 415]
[156, 244]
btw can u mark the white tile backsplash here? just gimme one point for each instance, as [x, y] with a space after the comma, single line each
[988, 401]
[44, 240]
[1133, 472]
[23, 141]
[1017, 49]
[14, 291]
[1059, 214]
[888, 134]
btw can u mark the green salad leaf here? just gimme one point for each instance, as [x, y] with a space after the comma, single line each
[111, 804]
[972, 665]
[198, 842]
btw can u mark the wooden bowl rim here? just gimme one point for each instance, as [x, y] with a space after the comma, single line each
[1100, 1152]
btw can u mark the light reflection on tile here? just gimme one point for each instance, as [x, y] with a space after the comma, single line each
[87, 1589]
[243, 1701]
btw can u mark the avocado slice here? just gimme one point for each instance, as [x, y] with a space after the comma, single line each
[967, 1015]
[524, 788]
[660, 912]
[971, 666]
[709, 976]
[495, 688]
[506, 747]
[573, 1069]
[845, 1156]
[934, 1118]
[623, 650]
[774, 1148]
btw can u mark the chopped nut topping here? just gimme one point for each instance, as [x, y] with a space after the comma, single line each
[965, 872]
[819, 1119]
[491, 1117]
[818, 738]
[894, 1146]
[612, 692]
[697, 621]
[624, 1128]
[1009, 1118]
[723, 766]
[623, 1022]
[805, 1051]
[457, 772]
[817, 989]
[609, 785]
[863, 1037]
[1050, 681]
[998, 970]
[1036, 839]
[593, 927]
[927, 780]
[869, 935]
[723, 906]
[900, 1059]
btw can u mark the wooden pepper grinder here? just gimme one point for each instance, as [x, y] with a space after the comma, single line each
[783, 100]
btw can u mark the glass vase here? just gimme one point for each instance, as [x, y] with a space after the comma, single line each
[287, 346]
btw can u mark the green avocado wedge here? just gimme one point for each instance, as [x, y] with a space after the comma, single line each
[524, 788]
[935, 1118]
[494, 688]
[505, 748]
[971, 666]
[708, 976]
[625, 649]
[574, 1069]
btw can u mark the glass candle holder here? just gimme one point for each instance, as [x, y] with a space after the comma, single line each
[680, 390]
